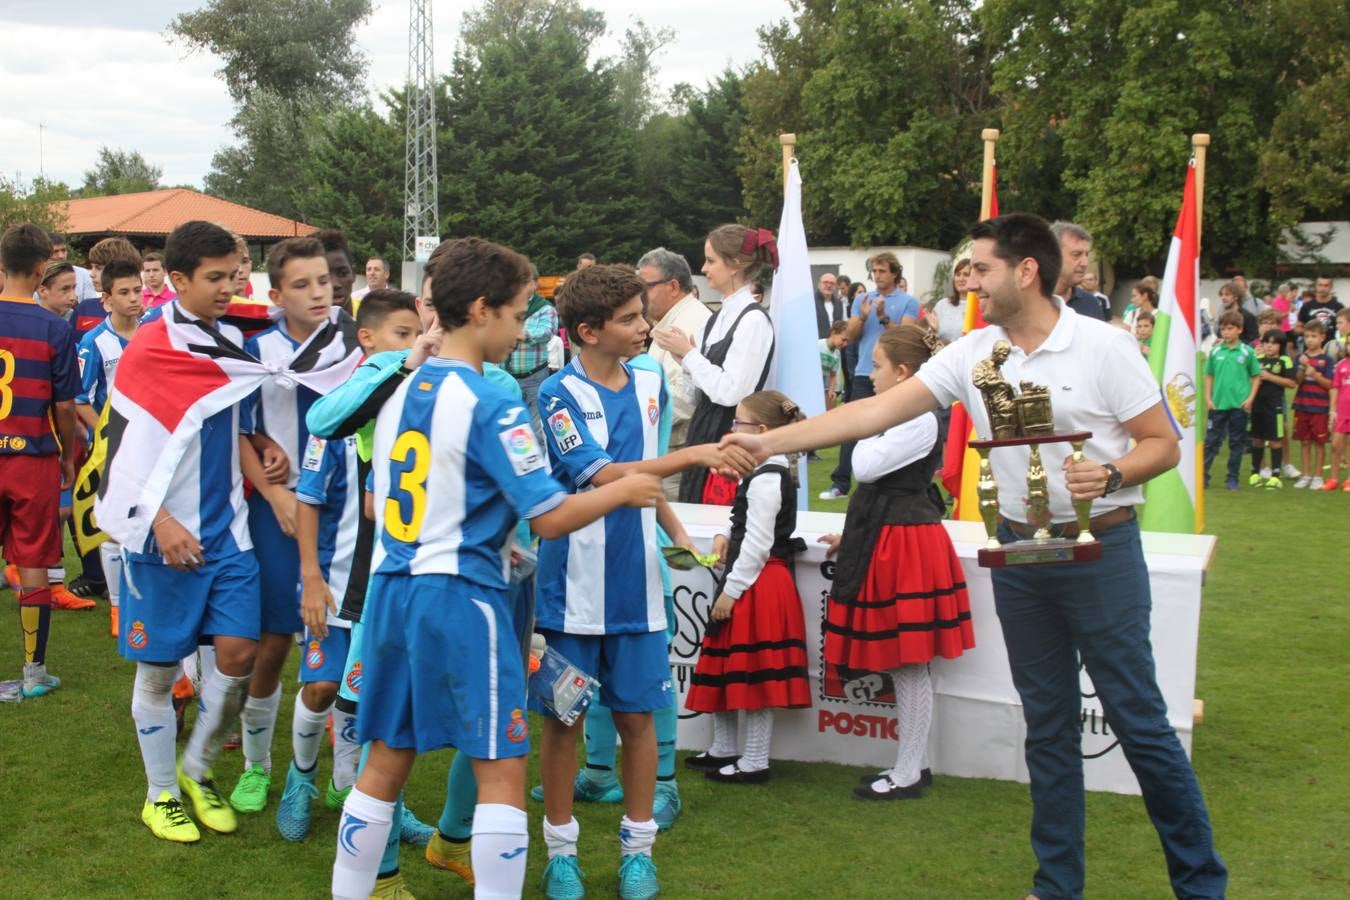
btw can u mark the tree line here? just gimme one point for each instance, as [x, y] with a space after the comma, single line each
[547, 145]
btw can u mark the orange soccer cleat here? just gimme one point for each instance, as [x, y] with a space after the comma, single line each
[112, 614]
[64, 599]
[12, 576]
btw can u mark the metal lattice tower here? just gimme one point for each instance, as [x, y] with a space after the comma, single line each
[420, 216]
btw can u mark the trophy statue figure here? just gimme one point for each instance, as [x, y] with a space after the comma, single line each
[1026, 419]
[997, 393]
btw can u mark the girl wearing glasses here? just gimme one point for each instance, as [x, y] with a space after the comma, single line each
[754, 653]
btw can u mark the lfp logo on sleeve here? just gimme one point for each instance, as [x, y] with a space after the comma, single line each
[521, 448]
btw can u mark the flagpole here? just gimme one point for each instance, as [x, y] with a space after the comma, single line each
[1199, 148]
[990, 136]
[789, 142]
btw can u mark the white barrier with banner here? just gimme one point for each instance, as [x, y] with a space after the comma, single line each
[977, 723]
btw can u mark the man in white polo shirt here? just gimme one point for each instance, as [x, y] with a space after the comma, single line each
[1053, 614]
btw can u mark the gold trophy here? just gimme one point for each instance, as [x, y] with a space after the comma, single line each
[1025, 419]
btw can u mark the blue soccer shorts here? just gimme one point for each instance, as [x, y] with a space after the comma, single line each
[278, 569]
[325, 659]
[441, 668]
[165, 611]
[633, 669]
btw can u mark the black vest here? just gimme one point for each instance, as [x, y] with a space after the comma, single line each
[784, 544]
[906, 496]
[709, 420]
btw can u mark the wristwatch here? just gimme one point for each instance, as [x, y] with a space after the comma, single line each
[1113, 478]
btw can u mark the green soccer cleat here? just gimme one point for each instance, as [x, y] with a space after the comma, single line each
[250, 794]
[297, 804]
[637, 877]
[211, 809]
[168, 821]
[1255, 480]
[666, 809]
[562, 879]
[333, 798]
[1274, 483]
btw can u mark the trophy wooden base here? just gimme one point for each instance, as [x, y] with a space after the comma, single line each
[1039, 553]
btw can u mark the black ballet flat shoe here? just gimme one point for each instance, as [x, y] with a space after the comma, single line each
[704, 762]
[889, 791]
[925, 777]
[737, 775]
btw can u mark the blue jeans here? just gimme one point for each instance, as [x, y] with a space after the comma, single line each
[529, 391]
[1230, 423]
[1051, 616]
[842, 476]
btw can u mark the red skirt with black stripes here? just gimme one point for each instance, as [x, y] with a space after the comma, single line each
[912, 605]
[757, 659]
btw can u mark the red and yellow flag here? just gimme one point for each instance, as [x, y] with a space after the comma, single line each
[961, 465]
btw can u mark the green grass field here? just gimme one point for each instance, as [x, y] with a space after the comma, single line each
[1272, 757]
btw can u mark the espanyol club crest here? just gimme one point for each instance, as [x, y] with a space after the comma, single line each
[653, 411]
[516, 729]
[354, 678]
[314, 655]
[137, 638]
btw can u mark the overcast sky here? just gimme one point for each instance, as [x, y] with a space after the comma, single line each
[118, 79]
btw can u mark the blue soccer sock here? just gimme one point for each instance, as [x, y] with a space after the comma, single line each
[601, 738]
[461, 796]
[667, 724]
[389, 862]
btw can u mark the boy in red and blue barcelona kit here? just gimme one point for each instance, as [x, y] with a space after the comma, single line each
[38, 384]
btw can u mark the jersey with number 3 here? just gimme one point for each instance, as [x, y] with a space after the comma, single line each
[456, 464]
[587, 426]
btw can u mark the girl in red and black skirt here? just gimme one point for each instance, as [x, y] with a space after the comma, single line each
[754, 653]
[899, 594]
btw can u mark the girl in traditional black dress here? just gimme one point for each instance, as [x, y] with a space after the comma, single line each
[730, 359]
[754, 653]
[899, 594]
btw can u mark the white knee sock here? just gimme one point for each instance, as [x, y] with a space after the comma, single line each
[306, 732]
[500, 839]
[216, 714]
[636, 837]
[758, 736]
[110, 555]
[259, 719]
[346, 751]
[152, 713]
[914, 709]
[362, 832]
[561, 840]
[724, 734]
[206, 664]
